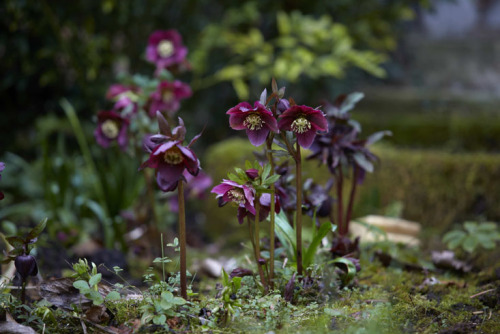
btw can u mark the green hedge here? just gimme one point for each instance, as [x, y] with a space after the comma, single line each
[435, 188]
[433, 123]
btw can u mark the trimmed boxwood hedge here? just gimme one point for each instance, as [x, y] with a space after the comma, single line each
[436, 188]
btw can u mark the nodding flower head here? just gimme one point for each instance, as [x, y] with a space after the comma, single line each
[240, 195]
[257, 121]
[304, 121]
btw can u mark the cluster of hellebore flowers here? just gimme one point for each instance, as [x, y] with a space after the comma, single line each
[269, 117]
[162, 93]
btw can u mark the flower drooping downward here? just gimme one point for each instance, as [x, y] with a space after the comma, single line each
[169, 157]
[304, 121]
[241, 195]
[257, 121]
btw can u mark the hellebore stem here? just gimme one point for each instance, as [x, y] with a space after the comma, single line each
[151, 195]
[340, 202]
[23, 292]
[298, 213]
[257, 241]
[182, 239]
[351, 199]
[271, 218]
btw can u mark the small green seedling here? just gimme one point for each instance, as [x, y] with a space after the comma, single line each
[88, 284]
[473, 236]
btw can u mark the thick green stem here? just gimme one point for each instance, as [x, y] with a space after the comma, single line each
[271, 218]
[257, 242]
[298, 213]
[182, 239]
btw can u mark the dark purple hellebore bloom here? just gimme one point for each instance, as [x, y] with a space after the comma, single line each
[265, 208]
[111, 126]
[195, 188]
[304, 121]
[170, 159]
[241, 195]
[2, 167]
[167, 97]
[165, 48]
[26, 266]
[257, 121]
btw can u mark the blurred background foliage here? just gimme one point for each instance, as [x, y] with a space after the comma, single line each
[50, 50]
[55, 49]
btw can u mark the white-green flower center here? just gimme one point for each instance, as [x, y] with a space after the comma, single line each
[253, 122]
[110, 128]
[301, 125]
[237, 196]
[173, 156]
[167, 96]
[165, 48]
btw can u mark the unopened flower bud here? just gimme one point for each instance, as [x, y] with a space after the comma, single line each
[26, 266]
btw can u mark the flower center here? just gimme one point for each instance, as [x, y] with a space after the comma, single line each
[237, 196]
[165, 48]
[301, 125]
[173, 156]
[253, 122]
[110, 128]
[167, 96]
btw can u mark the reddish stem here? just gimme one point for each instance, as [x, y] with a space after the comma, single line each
[351, 199]
[182, 239]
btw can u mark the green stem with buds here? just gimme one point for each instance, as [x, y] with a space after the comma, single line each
[182, 239]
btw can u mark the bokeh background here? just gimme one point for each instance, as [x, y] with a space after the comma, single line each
[429, 71]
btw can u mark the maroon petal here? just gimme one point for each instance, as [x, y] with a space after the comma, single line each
[221, 189]
[257, 137]
[242, 213]
[318, 119]
[236, 121]
[306, 139]
[270, 121]
[285, 123]
[240, 107]
[168, 176]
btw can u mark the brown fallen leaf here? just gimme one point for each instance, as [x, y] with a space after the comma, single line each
[97, 314]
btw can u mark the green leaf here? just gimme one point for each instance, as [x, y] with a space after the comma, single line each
[470, 243]
[113, 295]
[248, 164]
[267, 170]
[470, 227]
[313, 247]
[351, 269]
[159, 319]
[95, 279]
[225, 278]
[237, 283]
[81, 285]
[15, 241]
[95, 297]
[285, 234]
[35, 232]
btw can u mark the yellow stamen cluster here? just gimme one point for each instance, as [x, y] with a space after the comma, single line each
[167, 96]
[237, 196]
[253, 122]
[165, 48]
[110, 128]
[301, 125]
[173, 156]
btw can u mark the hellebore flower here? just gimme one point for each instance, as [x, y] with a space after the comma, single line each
[111, 126]
[241, 195]
[257, 121]
[170, 159]
[265, 208]
[26, 266]
[304, 121]
[168, 156]
[167, 97]
[165, 48]
[2, 167]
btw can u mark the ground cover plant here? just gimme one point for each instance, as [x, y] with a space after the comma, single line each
[308, 273]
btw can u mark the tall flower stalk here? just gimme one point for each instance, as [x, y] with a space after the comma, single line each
[170, 159]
